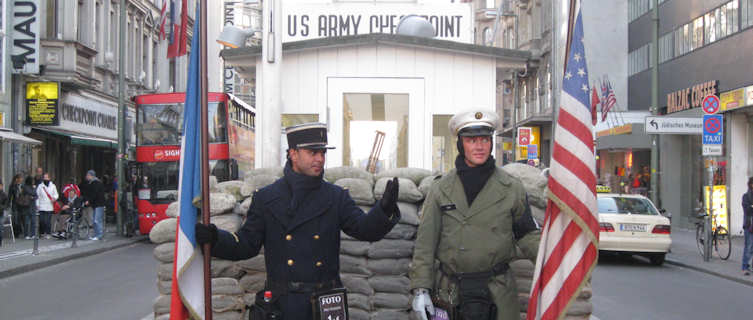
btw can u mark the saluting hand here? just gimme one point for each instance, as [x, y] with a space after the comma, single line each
[389, 198]
[206, 234]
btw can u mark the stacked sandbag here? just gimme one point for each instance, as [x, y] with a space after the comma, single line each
[535, 185]
[227, 295]
[375, 274]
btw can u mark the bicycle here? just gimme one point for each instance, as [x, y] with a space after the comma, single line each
[84, 231]
[721, 241]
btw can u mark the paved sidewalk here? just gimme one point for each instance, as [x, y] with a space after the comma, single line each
[17, 258]
[685, 254]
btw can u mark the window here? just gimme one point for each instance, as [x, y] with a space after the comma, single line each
[626, 205]
[488, 36]
[638, 60]
[52, 19]
[746, 13]
[697, 33]
[369, 118]
[732, 23]
[666, 43]
[709, 21]
[443, 144]
[3, 51]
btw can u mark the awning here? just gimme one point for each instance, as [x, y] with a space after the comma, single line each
[94, 142]
[84, 141]
[11, 136]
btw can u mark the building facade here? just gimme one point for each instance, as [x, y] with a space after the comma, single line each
[77, 49]
[703, 49]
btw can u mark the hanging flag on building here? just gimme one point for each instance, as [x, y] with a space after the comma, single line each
[162, 20]
[594, 102]
[178, 29]
[609, 99]
[188, 270]
[569, 241]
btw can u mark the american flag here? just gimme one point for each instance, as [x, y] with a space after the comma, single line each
[569, 241]
[609, 99]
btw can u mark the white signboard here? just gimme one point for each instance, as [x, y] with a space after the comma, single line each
[712, 150]
[310, 21]
[668, 125]
[25, 35]
[89, 116]
[749, 95]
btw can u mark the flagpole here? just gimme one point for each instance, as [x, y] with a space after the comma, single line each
[203, 87]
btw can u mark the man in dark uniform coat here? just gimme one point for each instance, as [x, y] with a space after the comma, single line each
[298, 220]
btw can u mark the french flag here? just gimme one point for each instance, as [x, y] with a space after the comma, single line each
[188, 269]
[178, 29]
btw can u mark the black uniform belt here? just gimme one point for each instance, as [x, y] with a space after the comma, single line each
[279, 287]
[498, 269]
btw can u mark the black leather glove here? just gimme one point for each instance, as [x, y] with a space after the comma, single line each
[206, 234]
[389, 198]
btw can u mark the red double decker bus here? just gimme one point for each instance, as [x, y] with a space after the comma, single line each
[159, 125]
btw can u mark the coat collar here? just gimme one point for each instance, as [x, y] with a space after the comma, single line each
[494, 191]
[278, 205]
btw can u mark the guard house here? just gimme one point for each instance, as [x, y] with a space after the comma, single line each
[384, 95]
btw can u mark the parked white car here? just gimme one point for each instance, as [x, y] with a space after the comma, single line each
[630, 223]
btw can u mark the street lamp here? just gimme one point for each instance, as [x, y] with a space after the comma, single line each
[413, 25]
[234, 37]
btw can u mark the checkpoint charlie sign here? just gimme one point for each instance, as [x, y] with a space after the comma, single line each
[311, 21]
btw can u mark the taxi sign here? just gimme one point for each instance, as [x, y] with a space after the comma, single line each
[603, 189]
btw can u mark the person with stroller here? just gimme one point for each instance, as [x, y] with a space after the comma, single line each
[71, 193]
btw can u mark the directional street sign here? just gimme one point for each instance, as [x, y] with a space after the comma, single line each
[711, 104]
[713, 129]
[667, 125]
[712, 150]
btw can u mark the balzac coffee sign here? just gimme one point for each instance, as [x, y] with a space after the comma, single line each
[692, 97]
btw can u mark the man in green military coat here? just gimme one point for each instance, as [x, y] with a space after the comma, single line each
[473, 219]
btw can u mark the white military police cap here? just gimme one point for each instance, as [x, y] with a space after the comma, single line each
[474, 123]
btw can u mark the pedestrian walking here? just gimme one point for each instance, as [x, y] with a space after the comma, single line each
[38, 177]
[298, 221]
[47, 194]
[14, 192]
[748, 227]
[93, 193]
[473, 219]
[26, 204]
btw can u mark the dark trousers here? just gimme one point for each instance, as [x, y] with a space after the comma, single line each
[45, 222]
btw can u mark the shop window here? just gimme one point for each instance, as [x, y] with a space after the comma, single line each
[371, 120]
[443, 144]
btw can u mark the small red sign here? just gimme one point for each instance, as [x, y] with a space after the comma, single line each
[524, 136]
[711, 104]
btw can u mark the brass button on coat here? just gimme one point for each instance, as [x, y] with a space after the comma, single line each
[288, 237]
[290, 262]
[316, 237]
[318, 263]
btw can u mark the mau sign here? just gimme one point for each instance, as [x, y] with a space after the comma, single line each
[25, 35]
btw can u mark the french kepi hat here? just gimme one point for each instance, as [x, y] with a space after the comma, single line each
[308, 135]
[474, 123]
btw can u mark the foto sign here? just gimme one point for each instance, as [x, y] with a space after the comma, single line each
[666, 125]
[713, 129]
[311, 21]
[524, 136]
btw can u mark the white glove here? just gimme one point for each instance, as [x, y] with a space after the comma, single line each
[422, 303]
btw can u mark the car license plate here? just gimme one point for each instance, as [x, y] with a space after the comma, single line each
[632, 227]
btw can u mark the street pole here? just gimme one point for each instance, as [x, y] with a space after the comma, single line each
[655, 102]
[121, 118]
[271, 85]
[203, 91]
[707, 221]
